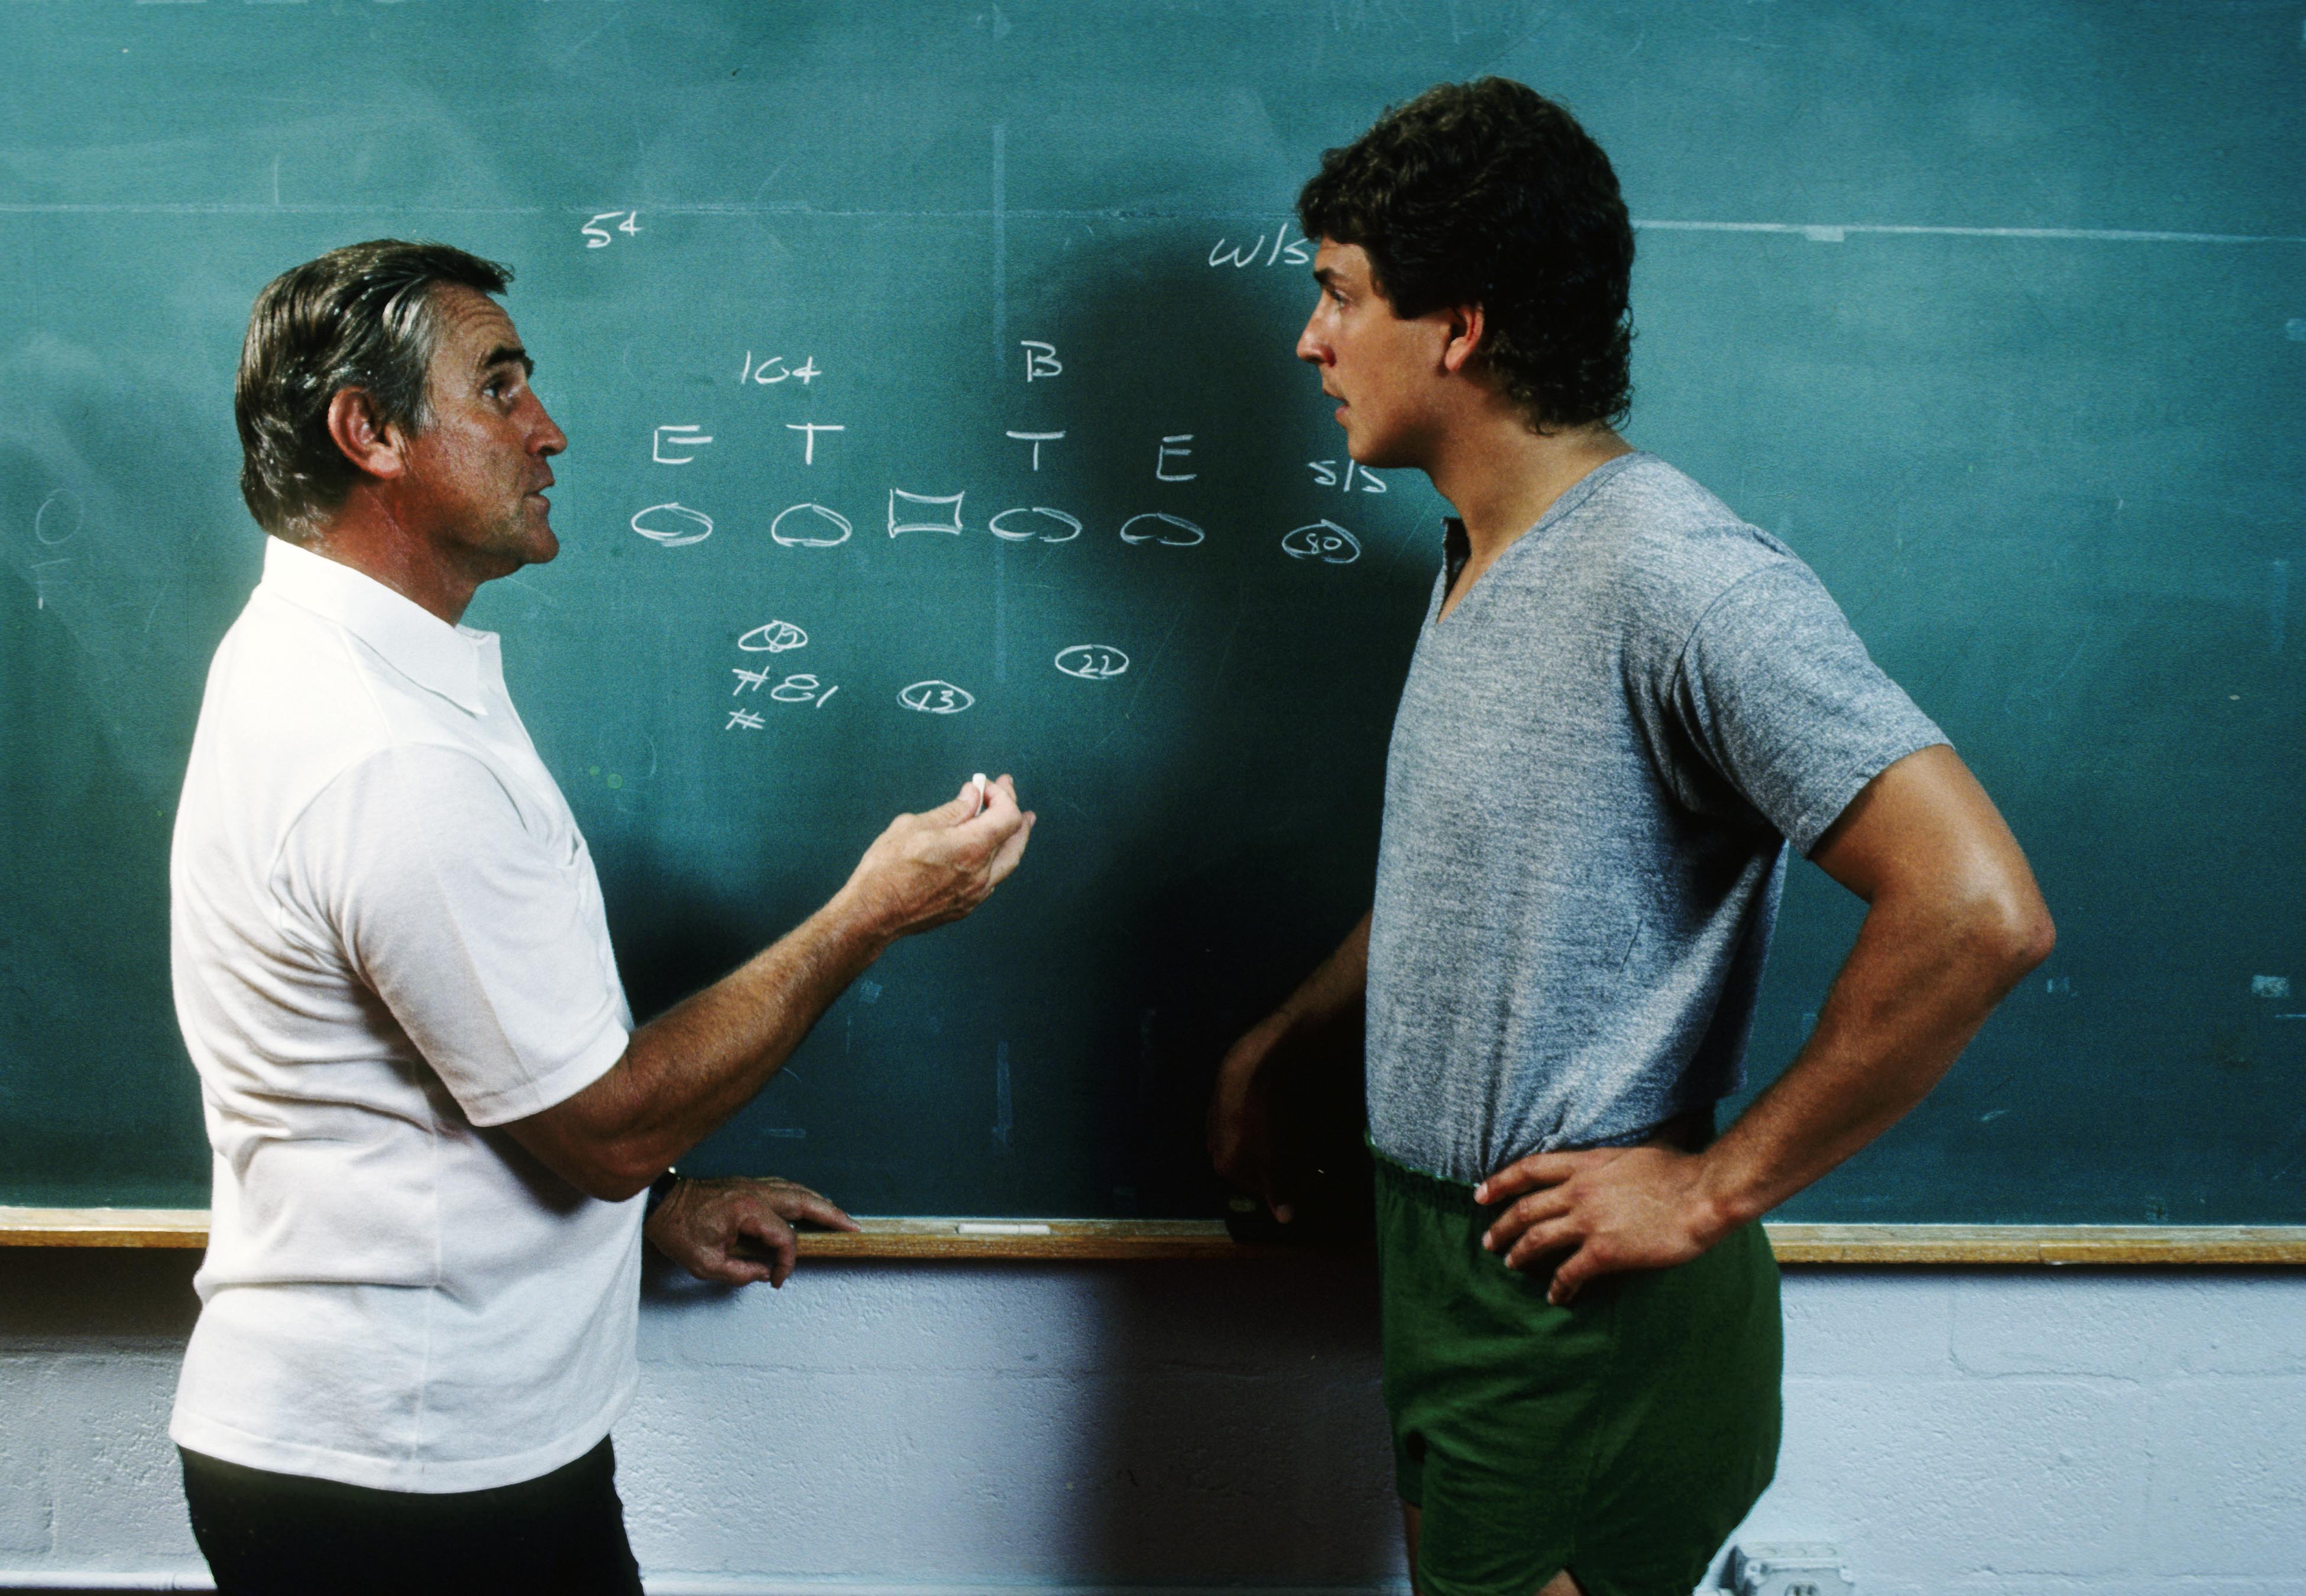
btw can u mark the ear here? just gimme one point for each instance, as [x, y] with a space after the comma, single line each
[378, 448]
[1467, 326]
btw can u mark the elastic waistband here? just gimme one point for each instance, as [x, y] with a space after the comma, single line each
[1433, 1191]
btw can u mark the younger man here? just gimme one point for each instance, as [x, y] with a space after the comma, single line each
[1625, 703]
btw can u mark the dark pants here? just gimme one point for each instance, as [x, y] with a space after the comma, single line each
[266, 1535]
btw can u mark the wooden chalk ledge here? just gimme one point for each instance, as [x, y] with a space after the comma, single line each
[1915, 1245]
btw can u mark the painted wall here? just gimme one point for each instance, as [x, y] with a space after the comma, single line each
[2074, 1434]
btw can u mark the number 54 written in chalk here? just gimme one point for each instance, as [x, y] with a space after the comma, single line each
[597, 238]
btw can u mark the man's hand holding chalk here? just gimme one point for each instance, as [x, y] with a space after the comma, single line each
[932, 868]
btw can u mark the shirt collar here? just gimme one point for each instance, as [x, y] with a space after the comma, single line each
[441, 658]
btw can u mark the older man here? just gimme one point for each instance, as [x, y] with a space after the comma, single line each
[433, 1120]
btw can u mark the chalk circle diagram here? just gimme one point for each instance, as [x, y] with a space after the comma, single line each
[821, 529]
[1092, 662]
[1056, 527]
[674, 526]
[914, 508]
[1324, 541]
[933, 697]
[773, 638]
[1171, 532]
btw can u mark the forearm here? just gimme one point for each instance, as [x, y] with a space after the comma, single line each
[1920, 980]
[687, 1072]
[1336, 984]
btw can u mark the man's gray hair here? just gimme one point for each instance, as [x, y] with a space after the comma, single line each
[359, 317]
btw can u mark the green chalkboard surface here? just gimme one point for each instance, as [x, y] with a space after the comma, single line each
[927, 369]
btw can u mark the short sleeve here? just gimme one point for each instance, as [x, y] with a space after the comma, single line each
[484, 938]
[1778, 696]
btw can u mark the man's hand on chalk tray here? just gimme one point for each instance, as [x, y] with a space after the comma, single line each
[736, 1231]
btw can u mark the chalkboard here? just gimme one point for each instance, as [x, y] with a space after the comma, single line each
[966, 328]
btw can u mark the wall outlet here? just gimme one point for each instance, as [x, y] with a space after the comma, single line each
[1802, 1569]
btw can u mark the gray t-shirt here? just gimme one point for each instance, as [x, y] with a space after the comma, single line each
[1598, 761]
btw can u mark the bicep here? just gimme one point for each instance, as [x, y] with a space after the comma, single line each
[1925, 829]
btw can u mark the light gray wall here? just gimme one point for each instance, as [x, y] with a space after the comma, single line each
[2072, 1434]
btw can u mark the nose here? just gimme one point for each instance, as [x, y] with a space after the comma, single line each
[545, 436]
[1309, 348]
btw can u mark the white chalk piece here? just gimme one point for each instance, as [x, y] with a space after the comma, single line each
[994, 1227]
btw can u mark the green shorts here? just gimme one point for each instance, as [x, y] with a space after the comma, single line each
[1621, 1438]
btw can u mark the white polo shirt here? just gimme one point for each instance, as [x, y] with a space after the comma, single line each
[387, 937]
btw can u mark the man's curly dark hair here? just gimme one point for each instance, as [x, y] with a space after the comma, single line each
[1488, 193]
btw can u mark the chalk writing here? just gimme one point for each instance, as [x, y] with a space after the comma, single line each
[933, 697]
[1092, 662]
[773, 638]
[1040, 360]
[808, 431]
[1059, 528]
[674, 526]
[748, 719]
[1172, 448]
[677, 439]
[1036, 439]
[597, 238]
[748, 681]
[821, 529]
[764, 376]
[1324, 541]
[1297, 253]
[1173, 532]
[912, 504]
[1325, 473]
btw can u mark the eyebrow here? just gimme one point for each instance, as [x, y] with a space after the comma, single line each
[508, 354]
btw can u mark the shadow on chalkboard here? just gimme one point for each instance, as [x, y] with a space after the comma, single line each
[1321, 1163]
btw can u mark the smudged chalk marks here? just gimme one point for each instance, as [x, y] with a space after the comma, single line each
[1004, 1114]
